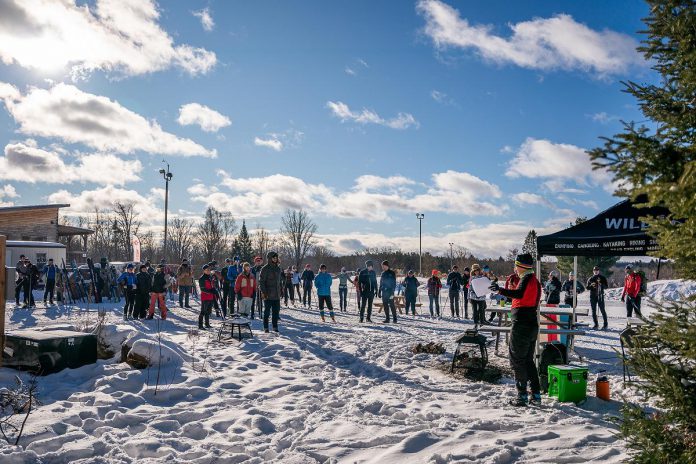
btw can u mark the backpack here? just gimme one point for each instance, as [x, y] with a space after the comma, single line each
[643, 283]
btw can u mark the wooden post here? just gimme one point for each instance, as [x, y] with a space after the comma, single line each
[3, 283]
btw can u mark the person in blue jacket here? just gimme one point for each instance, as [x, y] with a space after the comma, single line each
[387, 285]
[411, 285]
[50, 270]
[233, 270]
[129, 282]
[367, 281]
[323, 281]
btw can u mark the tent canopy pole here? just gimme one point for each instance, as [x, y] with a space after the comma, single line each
[575, 285]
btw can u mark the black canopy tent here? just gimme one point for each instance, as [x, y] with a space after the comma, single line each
[617, 231]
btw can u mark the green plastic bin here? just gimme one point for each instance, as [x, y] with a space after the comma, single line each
[568, 383]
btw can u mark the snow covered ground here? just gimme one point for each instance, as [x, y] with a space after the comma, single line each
[318, 392]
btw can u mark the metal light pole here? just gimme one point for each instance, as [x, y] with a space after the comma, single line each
[451, 255]
[420, 217]
[167, 177]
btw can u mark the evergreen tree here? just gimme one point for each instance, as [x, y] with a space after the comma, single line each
[530, 244]
[242, 245]
[660, 162]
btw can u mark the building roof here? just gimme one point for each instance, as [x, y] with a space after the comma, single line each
[28, 207]
[32, 244]
[72, 230]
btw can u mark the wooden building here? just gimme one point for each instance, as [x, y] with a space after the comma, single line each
[39, 223]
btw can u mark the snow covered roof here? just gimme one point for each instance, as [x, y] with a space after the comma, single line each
[32, 244]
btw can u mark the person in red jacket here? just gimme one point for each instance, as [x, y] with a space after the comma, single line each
[245, 288]
[208, 296]
[525, 329]
[631, 292]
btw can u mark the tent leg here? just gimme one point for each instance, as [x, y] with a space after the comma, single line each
[536, 345]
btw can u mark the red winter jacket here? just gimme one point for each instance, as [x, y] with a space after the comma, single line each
[525, 299]
[512, 281]
[207, 286]
[631, 285]
[245, 285]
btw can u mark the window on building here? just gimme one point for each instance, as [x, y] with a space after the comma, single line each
[40, 260]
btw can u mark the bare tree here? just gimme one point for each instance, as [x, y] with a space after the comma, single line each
[103, 241]
[213, 234]
[148, 246]
[125, 226]
[261, 241]
[297, 233]
[181, 235]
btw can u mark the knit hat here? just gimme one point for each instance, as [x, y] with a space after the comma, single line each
[467, 269]
[435, 272]
[205, 266]
[475, 267]
[322, 266]
[525, 260]
[130, 266]
[369, 263]
[271, 254]
[410, 271]
[385, 263]
[236, 258]
[257, 258]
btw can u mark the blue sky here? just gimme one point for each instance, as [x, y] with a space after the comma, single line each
[364, 113]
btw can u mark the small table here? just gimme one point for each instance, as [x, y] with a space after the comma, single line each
[236, 322]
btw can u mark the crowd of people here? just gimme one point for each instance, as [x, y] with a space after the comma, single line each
[256, 290]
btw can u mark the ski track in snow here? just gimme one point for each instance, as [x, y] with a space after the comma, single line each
[344, 392]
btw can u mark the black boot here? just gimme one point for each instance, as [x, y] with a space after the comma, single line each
[200, 321]
[207, 321]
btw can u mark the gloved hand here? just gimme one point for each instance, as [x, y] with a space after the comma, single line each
[623, 299]
[494, 287]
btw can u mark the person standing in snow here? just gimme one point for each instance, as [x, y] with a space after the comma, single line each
[256, 271]
[296, 279]
[226, 284]
[323, 282]
[50, 271]
[466, 276]
[22, 280]
[129, 282]
[232, 272]
[434, 285]
[270, 282]
[568, 288]
[478, 302]
[288, 288]
[631, 292]
[411, 285]
[387, 286]
[159, 288]
[552, 289]
[596, 284]
[245, 289]
[184, 278]
[142, 296]
[343, 281]
[209, 294]
[368, 288]
[455, 282]
[307, 281]
[525, 329]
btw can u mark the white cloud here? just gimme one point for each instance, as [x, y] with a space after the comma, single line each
[441, 97]
[272, 143]
[206, 18]
[490, 240]
[149, 210]
[526, 198]
[209, 119]
[74, 116]
[344, 113]
[353, 70]
[372, 198]
[559, 42]
[26, 162]
[543, 158]
[116, 36]
[7, 191]
[603, 117]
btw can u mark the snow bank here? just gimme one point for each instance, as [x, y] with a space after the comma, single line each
[663, 290]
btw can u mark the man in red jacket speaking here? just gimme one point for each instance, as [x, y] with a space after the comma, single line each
[525, 329]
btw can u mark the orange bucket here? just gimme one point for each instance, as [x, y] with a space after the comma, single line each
[603, 389]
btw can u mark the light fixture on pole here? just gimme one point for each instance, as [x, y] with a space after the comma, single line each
[420, 217]
[167, 177]
[451, 255]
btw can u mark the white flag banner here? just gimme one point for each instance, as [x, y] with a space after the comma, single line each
[136, 249]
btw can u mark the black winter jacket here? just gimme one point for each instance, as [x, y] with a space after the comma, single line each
[144, 282]
[270, 281]
[159, 283]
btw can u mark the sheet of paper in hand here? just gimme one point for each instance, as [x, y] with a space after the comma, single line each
[481, 286]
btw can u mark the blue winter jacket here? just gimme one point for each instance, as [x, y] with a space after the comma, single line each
[50, 272]
[128, 279]
[323, 282]
[232, 272]
[387, 283]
